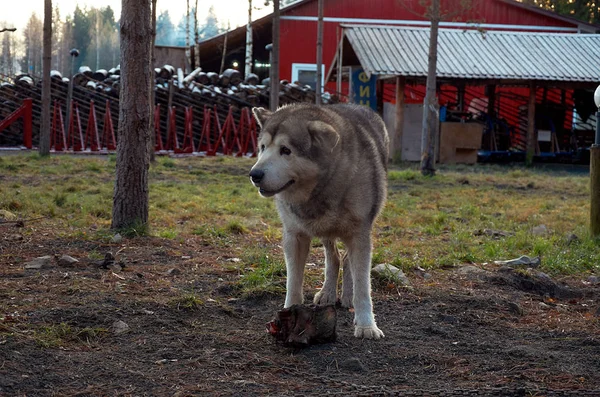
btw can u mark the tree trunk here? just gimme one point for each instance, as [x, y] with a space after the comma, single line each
[130, 201]
[152, 94]
[47, 50]
[319, 89]
[224, 50]
[430, 105]
[274, 76]
[196, 37]
[248, 62]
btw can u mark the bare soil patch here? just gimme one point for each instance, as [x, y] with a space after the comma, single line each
[190, 331]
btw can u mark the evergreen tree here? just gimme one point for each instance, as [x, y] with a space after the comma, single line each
[81, 35]
[165, 30]
[7, 52]
[32, 35]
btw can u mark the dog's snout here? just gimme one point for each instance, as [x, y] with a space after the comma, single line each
[257, 175]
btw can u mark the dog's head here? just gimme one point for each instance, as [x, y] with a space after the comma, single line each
[291, 144]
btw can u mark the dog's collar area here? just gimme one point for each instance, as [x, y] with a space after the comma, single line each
[269, 193]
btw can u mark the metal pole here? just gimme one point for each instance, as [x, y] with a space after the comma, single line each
[595, 181]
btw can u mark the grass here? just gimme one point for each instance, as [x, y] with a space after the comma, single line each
[57, 335]
[427, 222]
[187, 301]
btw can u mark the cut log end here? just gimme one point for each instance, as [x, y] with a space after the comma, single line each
[302, 326]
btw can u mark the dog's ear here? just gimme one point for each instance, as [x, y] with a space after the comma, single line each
[323, 134]
[261, 115]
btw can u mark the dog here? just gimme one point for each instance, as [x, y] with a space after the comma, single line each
[326, 167]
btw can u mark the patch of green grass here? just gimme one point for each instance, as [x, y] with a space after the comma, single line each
[427, 222]
[187, 302]
[57, 335]
[404, 175]
[260, 273]
[167, 233]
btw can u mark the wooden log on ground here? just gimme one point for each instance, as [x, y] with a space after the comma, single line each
[302, 326]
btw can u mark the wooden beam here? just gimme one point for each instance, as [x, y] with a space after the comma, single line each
[531, 141]
[396, 147]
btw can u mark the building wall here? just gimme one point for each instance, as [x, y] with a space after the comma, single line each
[298, 37]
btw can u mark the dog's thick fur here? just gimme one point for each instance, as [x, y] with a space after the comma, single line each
[327, 168]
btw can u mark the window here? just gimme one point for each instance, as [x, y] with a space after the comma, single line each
[306, 74]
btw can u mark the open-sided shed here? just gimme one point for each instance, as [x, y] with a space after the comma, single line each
[536, 61]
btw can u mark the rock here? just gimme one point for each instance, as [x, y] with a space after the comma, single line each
[593, 280]
[7, 215]
[39, 263]
[386, 271]
[470, 269]
[108, 261]
[514, 308]
[67, 260]
[419, 271]
[523, 260]
[571, 238]
[173, 272]
[352, 364]
[234, 260]
[540, 230]
[119, 327]
[495, 234]
[117, 238]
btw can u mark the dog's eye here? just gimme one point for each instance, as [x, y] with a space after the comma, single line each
[285, 150]
[262, 148]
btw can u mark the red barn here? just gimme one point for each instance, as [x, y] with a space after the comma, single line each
[298, 30]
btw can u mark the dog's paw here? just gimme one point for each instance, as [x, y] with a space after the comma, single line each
[346, 300]
[325, 298]
[371, 332]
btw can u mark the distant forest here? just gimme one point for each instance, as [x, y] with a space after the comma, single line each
[95, 33]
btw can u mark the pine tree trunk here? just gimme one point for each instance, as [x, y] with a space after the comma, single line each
[430, 105]
[319, 89]
[130, 201]
[47, 59]
[274, 74]
[152, 93]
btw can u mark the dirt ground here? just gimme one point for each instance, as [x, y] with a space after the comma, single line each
[458, 332]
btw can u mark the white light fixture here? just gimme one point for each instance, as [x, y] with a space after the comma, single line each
[236, 64]
[597, 97]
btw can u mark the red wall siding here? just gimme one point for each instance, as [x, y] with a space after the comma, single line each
[298, 38]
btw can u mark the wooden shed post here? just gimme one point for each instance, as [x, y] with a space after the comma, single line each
[531, 143]
[396, 148]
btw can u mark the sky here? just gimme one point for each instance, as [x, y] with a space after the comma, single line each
[234, 10]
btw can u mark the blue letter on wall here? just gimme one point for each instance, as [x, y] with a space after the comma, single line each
[364, 89]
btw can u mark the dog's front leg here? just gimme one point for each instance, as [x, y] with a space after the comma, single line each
[295, 247]
[328, 294]
[359, 254]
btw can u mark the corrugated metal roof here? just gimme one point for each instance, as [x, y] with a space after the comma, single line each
[471, 54]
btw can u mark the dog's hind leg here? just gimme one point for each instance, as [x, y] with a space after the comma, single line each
[295, 248]
[328, 294]
[347, 283]
[359, 253]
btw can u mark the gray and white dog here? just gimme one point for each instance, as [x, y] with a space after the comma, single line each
[327, 168]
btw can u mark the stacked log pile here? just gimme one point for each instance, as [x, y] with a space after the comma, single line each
[172, 87]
